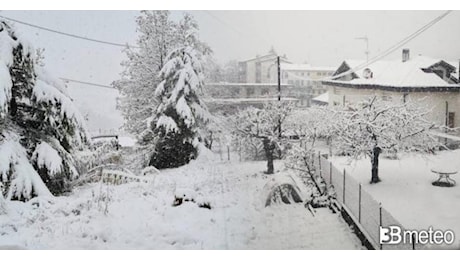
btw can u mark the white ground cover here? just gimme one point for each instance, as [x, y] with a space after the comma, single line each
[141, 215]
[406, 190]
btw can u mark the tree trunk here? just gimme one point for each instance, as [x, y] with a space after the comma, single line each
[375, 165]
[269, 148]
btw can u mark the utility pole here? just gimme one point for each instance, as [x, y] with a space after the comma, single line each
[279, 93]
[365, 38]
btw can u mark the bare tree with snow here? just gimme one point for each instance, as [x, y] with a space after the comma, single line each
[263, 124]
[374, 126]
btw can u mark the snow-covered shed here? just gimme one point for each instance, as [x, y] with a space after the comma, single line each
[432, 82]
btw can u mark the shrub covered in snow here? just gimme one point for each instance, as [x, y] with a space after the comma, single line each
[39, 126]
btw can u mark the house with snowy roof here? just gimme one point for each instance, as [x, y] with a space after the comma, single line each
[260, 69]
[432, 82]
[305, 78]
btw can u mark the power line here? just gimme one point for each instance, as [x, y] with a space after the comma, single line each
[234, 28]
[385, 53]
[68, 34]
[86, 83]
[394, 47]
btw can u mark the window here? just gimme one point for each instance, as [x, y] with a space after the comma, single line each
[258, 72]
[265, 92]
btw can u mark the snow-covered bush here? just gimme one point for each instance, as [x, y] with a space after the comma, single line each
[310, 126]
[39, 126]
[3, 209]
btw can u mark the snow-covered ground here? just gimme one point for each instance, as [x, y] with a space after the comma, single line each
[406, 190]
[141, 215]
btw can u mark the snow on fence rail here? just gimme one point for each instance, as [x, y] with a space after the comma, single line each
[110, 173]
[366, 212]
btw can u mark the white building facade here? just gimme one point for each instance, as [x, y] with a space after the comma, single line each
[429, 82]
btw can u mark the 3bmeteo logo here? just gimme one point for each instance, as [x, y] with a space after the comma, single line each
[393, 235]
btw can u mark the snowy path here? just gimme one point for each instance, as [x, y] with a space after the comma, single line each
[141, 216]
[280, 226]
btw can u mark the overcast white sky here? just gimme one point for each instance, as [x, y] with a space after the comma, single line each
[318, 37]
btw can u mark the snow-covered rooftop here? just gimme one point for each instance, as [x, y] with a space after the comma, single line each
[397, 73]
[323, 98]
[305, 67]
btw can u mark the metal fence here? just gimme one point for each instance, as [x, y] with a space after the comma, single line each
[366, 212]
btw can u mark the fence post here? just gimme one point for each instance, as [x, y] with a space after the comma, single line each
[344, 174]
[380, 221]
[319, 164]
[359, 203]
[330, 173]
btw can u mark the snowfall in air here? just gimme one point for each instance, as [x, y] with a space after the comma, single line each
[186, 153]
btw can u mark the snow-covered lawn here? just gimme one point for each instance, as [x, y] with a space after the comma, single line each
[141, 216]
[406, 190]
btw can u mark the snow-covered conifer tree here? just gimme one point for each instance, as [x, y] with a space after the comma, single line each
[39, 126]
[141, 69]
[181, 113]
[159, 35]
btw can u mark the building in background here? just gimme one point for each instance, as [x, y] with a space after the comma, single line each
[431, 82]
[304, 79]
[229, 97]
[261, 69]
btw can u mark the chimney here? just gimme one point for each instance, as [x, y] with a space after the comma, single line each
[405, 55]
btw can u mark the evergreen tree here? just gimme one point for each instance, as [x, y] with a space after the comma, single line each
[181, 113]
[141, 70]
[39, 126]
[166, 50]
